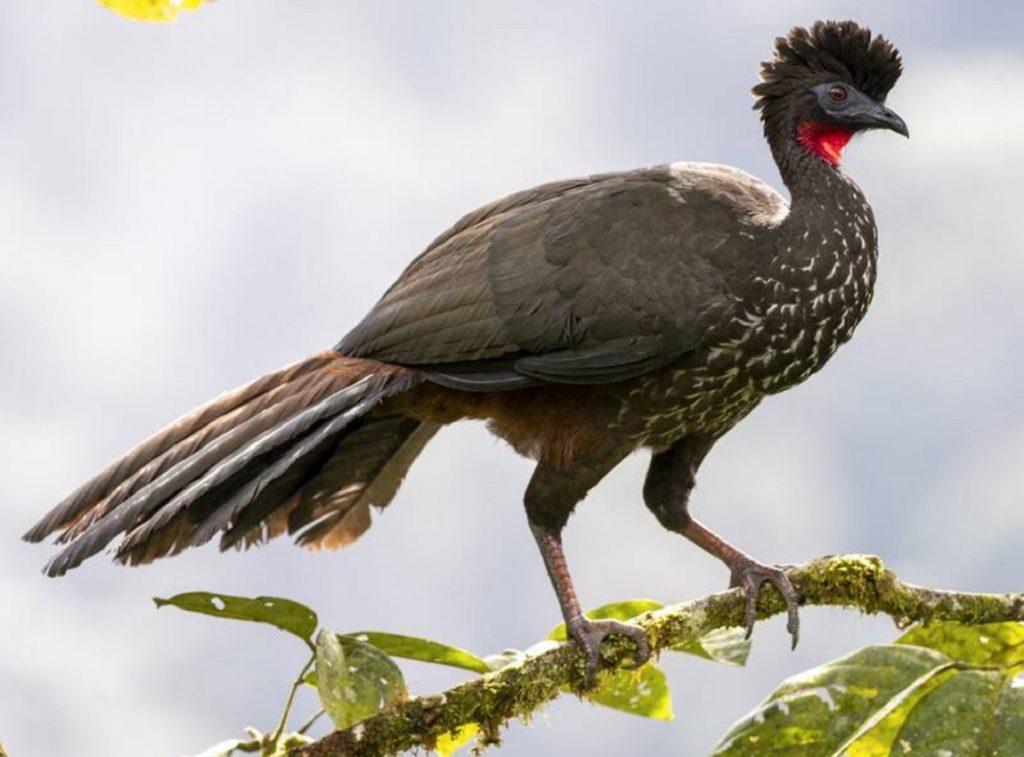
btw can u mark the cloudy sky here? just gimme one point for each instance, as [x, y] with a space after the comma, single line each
[185, 207]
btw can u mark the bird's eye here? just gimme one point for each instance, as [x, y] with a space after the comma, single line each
[837, 93]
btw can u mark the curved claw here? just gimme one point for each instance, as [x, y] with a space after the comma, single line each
[751, 576]
[590, 633]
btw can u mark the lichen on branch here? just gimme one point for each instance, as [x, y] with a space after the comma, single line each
[517, 691]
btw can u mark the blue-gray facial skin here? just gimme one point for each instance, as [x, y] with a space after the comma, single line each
[843, 105]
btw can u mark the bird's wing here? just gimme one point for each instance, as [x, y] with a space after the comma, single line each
[588, 281]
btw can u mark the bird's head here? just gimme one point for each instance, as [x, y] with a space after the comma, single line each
[825, 84]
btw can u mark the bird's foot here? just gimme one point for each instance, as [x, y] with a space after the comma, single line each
[751, 576]
[590, 633]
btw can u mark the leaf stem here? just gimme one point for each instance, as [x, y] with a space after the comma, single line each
[299, 680]
[309, 723]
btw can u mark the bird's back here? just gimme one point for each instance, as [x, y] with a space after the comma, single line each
[628, 284]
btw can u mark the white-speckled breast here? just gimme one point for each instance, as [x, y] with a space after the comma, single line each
[792, 315]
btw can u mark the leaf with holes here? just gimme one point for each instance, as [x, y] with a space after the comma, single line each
[293, 617]
[986, 644]
[824, 710]
[151, 10]
[355, 680]
[642, 692]
[422, 650]
[898, 699]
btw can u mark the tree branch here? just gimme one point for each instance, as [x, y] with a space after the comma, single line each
[517, 691]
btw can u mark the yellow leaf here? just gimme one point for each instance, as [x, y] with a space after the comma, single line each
[450, 743]
[151, 10]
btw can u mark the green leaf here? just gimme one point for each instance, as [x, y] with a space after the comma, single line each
[1007, 735]
[423, 650]
[615, 611]
[447, 744]
[976, 713]
[826, 709]
[355, 680]
[728, 645]
[879, 741]
[960, 695]
[642, 692]
[151, 10]
[986, 644]
[293, 617]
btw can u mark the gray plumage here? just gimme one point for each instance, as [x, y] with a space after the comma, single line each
[587, 281]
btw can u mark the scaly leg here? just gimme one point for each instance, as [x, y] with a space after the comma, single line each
[670, 479]
[550, 499]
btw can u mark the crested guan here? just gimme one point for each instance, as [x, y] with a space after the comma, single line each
[583, 319]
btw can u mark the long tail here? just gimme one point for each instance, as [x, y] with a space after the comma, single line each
[297, 450]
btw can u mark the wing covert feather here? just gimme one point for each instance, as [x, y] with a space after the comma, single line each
[585, 281]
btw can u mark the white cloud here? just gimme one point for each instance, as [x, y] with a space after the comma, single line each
[962, 111]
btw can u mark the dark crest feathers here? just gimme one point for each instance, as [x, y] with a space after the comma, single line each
[829, 49]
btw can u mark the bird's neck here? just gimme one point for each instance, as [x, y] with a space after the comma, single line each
[830, 223]
[808, 155]
[821, 194]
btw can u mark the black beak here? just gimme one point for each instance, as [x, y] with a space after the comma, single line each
[872, 115]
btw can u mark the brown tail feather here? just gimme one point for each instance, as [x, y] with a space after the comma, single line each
[93, 491]
[236, 464]
[266, 473]
[333, 507]
[271, 468]
[234, 427]
[366, 469]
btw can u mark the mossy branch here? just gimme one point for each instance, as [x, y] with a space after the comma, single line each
[519, 690]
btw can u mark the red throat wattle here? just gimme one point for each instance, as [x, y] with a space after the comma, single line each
[825, 141]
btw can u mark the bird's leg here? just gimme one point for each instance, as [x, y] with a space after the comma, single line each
[587, 633]
[550, 499]
[670, 479]
[747, 574]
